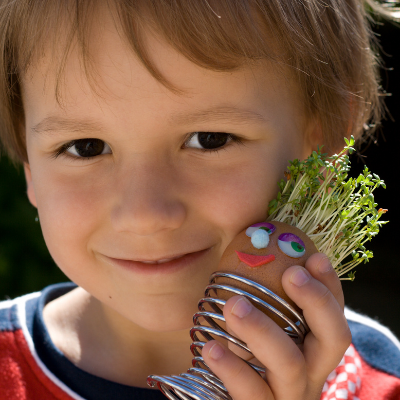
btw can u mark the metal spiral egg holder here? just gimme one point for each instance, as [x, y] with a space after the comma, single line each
[200, 383]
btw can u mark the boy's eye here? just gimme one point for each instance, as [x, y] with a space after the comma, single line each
[86, 148]
[208, 140]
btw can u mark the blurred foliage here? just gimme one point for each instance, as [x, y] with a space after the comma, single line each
[25, 263]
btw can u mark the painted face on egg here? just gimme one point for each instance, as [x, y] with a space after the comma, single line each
[265, 246]
[263, 252]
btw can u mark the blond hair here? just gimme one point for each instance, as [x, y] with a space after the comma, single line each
[327, 45]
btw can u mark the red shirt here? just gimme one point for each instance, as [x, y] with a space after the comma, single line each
[32, 368]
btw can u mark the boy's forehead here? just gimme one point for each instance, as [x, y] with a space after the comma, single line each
[115, 75]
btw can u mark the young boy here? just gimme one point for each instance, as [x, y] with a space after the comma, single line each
[152, 132]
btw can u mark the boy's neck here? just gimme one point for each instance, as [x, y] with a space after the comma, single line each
[79, 325]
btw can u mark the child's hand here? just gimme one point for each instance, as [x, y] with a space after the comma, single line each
[291, 374]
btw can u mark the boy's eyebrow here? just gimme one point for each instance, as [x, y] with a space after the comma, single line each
[53, 124]
[222, 113]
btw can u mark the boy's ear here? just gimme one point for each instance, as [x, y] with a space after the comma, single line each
[29, 185]
[314, 134]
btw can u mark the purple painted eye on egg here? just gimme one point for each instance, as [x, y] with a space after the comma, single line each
[291, 245]
[266, 226]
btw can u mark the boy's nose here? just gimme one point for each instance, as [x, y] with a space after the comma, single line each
[147, 201]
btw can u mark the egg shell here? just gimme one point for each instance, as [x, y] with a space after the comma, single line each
[268, 275]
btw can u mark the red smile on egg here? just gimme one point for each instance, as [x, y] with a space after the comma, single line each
[253, 260]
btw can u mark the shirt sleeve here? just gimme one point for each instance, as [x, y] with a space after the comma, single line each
[370, 368]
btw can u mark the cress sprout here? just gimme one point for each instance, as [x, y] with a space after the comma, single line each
[337, 212]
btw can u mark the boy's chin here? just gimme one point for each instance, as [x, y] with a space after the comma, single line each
[162, 315]
[166, 322]
[179, 326]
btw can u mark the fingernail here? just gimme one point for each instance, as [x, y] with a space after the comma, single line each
[241, 308]
[325, 266]
[299, 277]
[216, 352]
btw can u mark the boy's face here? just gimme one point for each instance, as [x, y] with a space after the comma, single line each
[149, 191]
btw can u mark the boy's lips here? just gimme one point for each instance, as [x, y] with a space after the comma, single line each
[161, 261]
[165, 264]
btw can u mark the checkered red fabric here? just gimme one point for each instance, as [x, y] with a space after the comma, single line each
[344, 382]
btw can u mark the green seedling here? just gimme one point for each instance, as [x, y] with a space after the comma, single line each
[336, 211]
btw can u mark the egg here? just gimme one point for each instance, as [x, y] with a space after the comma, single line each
[287, 246]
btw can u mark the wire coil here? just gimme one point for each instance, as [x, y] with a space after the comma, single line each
[199, 383]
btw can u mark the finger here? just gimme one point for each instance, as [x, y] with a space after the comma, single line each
[284, 362]
[241, 380]
[319, 266]
[330, 335]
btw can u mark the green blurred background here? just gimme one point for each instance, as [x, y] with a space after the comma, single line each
[25, 263]
[26, 266]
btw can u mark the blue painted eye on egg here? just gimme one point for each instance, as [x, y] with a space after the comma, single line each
[259, 234]
[291, 245]
[268, 227]
[260, 239]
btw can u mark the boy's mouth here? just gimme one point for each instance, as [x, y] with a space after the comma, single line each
[164, 260]
[161, 264]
